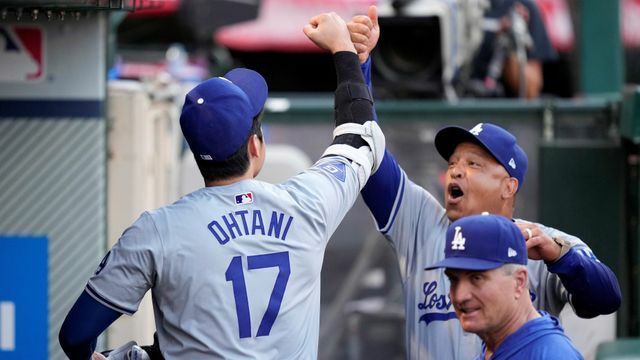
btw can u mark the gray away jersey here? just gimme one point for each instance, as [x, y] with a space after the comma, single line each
[234, 270]
[417, 234]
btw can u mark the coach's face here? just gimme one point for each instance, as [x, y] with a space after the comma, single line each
[476, 182]
[482, 299]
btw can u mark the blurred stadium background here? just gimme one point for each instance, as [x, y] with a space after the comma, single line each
[90, 92]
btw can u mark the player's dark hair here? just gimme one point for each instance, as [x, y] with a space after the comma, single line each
[236, 164]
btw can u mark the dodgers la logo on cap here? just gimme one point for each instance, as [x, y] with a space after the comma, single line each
[458, 240]
[482, 242]
[476, 130]
[500, 143]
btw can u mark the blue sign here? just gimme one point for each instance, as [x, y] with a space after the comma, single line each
[23, 297]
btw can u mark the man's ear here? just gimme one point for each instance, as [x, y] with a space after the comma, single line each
[254, 144]
[521, 277]
[510, 187]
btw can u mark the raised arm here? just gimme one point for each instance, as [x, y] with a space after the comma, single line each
[381, 190]
[356, 136]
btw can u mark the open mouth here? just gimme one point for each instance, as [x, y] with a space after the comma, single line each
[468, 311]
[455, 191]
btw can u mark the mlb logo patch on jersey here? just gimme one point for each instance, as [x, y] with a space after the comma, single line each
[336, 169]
[22, 53]
[246, 198]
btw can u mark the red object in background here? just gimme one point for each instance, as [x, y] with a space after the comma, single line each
[630, 22]
[279, 24]
[155, 8]
[32, 39]
[557, 20]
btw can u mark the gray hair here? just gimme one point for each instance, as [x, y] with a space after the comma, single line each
[509, 269]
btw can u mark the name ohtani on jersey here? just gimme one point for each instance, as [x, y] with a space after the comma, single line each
[250, 222]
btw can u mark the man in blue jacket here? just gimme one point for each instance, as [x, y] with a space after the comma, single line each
[486, 264]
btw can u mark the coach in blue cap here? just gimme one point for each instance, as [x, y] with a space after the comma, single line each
[485, 261]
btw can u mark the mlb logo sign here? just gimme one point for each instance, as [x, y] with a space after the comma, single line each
[22, 53]
[246, 198]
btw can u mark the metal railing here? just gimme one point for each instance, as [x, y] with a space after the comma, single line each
[62, 9]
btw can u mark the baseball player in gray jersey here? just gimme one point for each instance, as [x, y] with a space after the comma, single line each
[486, 170]
[234, 267]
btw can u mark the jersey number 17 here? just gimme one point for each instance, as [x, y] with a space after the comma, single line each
[235, 274]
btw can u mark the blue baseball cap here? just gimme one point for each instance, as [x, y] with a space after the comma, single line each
[497, 141]
[482, 242]
[217, 115]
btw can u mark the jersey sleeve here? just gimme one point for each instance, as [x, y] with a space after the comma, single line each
[129, 269]
[326, 191]
[590, 286]
[380, 194]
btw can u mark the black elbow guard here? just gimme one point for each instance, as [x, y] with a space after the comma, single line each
[353, 103]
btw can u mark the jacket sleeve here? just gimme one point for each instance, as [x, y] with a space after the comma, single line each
[593, 288]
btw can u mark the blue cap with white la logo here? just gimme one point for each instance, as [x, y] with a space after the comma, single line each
[500, 143]
[482, 242]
